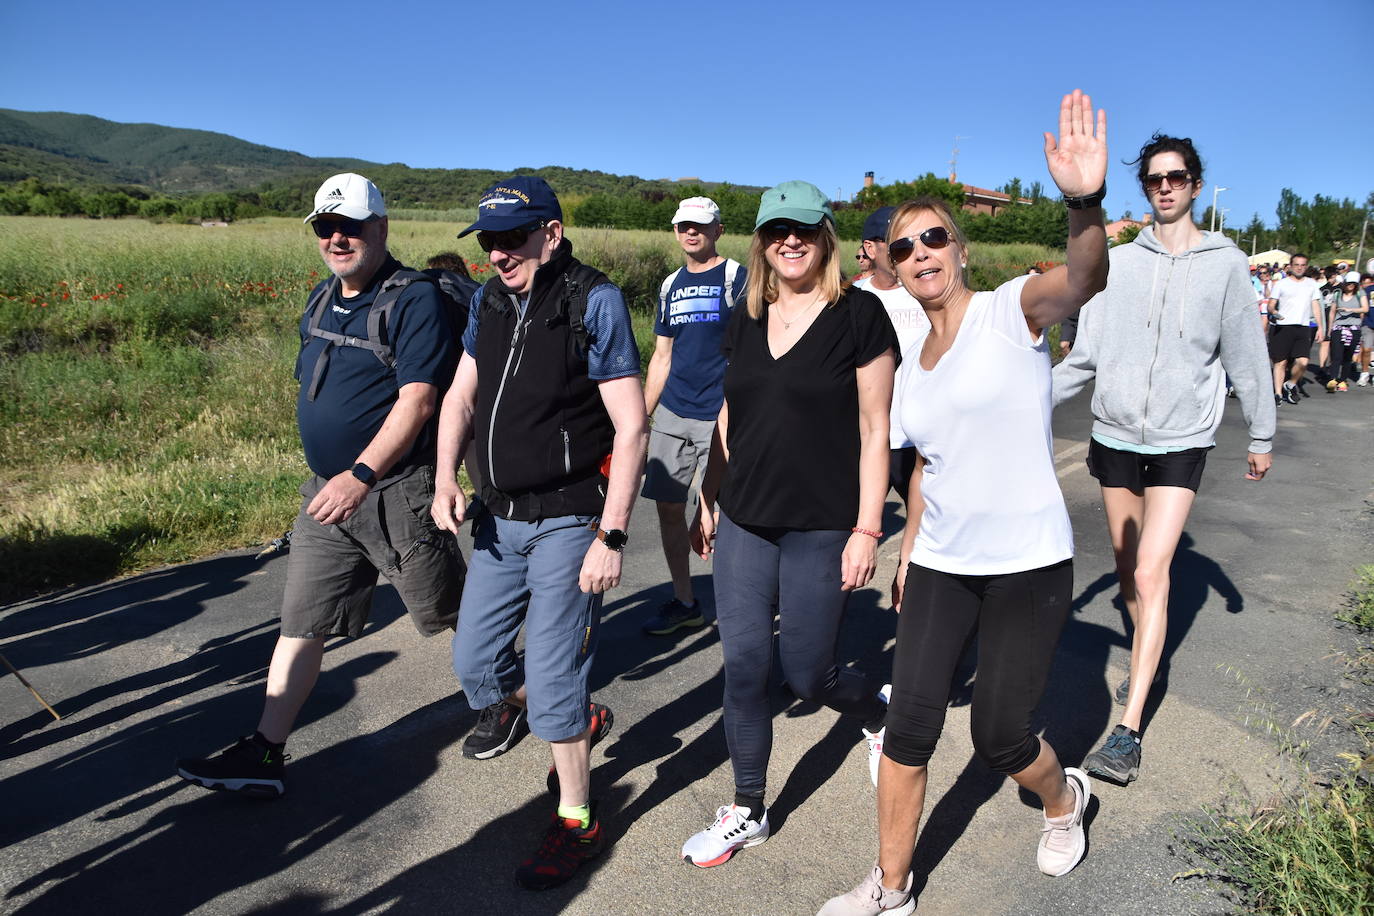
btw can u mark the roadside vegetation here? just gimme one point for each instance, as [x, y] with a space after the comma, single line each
[1310, 851]
[149, 409]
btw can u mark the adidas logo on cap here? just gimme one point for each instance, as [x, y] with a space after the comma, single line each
[335, 194]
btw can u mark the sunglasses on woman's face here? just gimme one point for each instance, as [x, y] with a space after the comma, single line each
[779, 231]
[934, 237]
[507, 239]
[1178, 180]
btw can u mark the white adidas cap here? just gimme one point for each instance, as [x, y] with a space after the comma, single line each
[349, 195]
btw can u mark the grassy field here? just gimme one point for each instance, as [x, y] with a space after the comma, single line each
[149, 408]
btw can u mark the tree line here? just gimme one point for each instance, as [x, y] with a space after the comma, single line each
[1320, 226]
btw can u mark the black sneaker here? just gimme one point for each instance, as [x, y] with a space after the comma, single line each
[566, 845]
[601, 721]
[674, 616]
[1118, 760]
[1290, 393]
[251, 767]
[499, 727]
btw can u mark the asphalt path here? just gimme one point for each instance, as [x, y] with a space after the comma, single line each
[383, 813]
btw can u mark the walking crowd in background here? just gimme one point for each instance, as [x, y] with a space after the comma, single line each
[787, 404]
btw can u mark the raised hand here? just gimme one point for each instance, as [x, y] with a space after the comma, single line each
[1077, 158]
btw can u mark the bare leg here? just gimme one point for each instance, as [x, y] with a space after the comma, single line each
[518, 698]
[1125, 510]
[1166, 512]
[1299, 370]
[1278, 375]
[572, 760]
[672, 527]
[1045, 777]
[901, 800]
[291, 676]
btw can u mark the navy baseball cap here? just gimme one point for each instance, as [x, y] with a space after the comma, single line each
[875, 227]
[513, 203]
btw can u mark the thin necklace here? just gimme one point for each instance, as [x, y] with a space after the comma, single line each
[787, 325]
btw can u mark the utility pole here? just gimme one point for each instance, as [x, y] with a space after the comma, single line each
[954, 160]
[1359, 258]
[1215, 191]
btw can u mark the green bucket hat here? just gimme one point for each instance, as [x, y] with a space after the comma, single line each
[799, 201]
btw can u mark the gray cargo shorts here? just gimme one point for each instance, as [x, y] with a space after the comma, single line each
[332, 569]
[678, 446]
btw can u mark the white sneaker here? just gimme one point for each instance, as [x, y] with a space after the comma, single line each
[1364, 380]
[732, 831]
[875, 739]
[1062, 841]
[871, 897]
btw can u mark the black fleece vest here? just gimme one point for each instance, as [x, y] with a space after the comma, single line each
[541, 428]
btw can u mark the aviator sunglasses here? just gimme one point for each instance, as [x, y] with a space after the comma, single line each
[779, 231]
[325, 228]
[934, 237]
[1178, 180]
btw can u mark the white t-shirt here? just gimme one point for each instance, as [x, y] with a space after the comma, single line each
[910, 321]
[1295, 298]
[981, 421]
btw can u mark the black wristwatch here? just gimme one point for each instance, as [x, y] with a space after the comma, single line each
[365, 474]
[615, 538]
[1087, 201]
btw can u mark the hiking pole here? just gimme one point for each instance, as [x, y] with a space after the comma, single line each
[37, 695]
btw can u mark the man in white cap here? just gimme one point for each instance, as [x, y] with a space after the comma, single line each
[376, 347]
[683, 391]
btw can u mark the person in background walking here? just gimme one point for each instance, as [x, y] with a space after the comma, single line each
[1178, 316]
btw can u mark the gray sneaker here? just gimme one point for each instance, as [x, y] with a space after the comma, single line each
[1118, 760]
[871, 897]
[1124, 688]
[674, 616]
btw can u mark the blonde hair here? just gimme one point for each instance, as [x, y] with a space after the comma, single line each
[763, 282]
[926, 204]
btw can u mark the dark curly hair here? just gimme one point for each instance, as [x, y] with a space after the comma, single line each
[1163, 143]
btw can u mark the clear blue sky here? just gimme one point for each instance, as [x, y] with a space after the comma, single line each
[1275, 94]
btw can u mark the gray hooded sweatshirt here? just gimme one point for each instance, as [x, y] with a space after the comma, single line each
[1162, 337]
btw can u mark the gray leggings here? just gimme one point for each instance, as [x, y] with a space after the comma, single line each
[797, 574]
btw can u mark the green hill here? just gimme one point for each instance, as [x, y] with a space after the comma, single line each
[84, 152]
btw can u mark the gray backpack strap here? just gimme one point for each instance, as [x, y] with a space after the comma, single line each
[663, 294]
[731, 272]
[377, 315]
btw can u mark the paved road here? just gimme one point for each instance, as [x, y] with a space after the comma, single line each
[384, 814]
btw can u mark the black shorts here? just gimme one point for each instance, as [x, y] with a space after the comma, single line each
[1289, 341]
[1134, 471]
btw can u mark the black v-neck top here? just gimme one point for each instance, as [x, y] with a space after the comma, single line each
[793, 433]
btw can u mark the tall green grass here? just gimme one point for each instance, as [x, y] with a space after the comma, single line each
[148, 414]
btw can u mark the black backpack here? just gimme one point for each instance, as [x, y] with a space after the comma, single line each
[455, 291]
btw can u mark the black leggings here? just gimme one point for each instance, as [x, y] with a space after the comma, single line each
[1018, 618]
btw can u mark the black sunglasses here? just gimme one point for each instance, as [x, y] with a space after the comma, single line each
[507, 239]
[325, 228]
[1178, 179]
[780, 231]
[900, 249]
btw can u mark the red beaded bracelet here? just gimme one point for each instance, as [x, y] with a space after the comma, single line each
[876, 535]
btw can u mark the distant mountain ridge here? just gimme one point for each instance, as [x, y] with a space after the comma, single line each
[86, 151]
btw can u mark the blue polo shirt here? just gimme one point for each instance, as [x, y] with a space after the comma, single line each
[694, 316]
[357, 391]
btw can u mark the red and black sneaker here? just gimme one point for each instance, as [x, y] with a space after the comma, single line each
[567, 844]
[601, 721]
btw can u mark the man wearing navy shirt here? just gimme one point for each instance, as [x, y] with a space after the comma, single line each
[548, 386]
[683, 393]
[366, 413]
